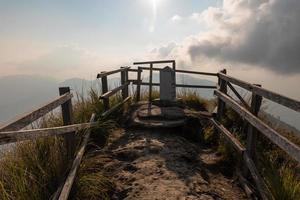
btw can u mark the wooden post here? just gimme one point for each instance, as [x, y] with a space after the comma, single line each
[150, 83]
[252, 132]
[104, 90]
[124, 79]
[138, 86]
[221, 105]
[67, 114]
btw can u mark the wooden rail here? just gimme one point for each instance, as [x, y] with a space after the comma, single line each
[11, 132]
[290, 148]
[28, 118]
[278, 98]
[181, 85]
[256, 125]
[64, 194]
[7, 137]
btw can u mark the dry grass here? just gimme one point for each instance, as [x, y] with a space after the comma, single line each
[34, 169]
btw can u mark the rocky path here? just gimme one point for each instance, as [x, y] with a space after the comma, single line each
[159, 164]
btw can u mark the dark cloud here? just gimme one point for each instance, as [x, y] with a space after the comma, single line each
[263, 33]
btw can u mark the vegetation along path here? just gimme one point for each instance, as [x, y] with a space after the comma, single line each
[161, 164]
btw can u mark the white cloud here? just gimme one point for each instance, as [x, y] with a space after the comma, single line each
[260, 33]
[176, 18]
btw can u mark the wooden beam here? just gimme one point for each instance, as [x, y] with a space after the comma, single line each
[153, 68]
[229, 137]
[278, 98]
[7, 137]
[238, 95]
[260, 185]
[221, 105]
[181, 85]
[252, 132]
[114, 108]
[124, 81]
[133, 70]
[289, 147]
[195, 72]
[197, 86]
[235, 81]
[102, 74]
[113, 91]
[67, 114]
[154, 62]
[25, 120]
[138, 87]
[150, 82]
[76, 163]
[104, 91]
[273, 96]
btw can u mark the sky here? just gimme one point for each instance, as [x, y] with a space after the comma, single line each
[255, 40]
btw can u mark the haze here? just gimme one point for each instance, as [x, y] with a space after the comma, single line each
[256, 40]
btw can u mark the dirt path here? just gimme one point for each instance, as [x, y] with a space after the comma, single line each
[156, 164]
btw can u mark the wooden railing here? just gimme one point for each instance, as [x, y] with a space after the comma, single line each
[138, 82]
[107, 94]
[256, 125]
[11, 132]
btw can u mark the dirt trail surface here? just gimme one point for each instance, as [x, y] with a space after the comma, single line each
[158, 164]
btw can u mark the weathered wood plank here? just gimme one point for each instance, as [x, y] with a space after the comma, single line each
[197, 86]
[102, 74]
[75, 166]
[229, 137]
[289, 147]
[221, 105]
[124, 81]
[235, 81]
[26, 119]
[133, 70]
[17, 136]
[153, 68]
[150, 82]
[273, 96]
[111, 110]
[195, 72]
[238, 95]
[67, 114]
[105, 90]
[256, 177]
[278, 98]
[138, 87]
[252, 132]
[181, 85]
[113, 91]
[154, 62]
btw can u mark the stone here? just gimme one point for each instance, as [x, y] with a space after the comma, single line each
[167, 84]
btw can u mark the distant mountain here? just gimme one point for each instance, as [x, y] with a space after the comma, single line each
[22, 93]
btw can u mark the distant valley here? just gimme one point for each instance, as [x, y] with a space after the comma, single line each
[22, 93]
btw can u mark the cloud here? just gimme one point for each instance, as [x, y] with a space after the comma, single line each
[176, 18]
[262, 33]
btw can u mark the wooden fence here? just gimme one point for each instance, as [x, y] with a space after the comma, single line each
[256, 125]
[249, 112]
[11, 132]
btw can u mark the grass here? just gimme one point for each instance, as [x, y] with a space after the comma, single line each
[279, 171]
[34, 169]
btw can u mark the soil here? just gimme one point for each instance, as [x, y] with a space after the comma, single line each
[162, 164]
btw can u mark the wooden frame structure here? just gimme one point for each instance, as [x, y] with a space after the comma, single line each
[256, 126]
[138, 82]
[11, 132]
